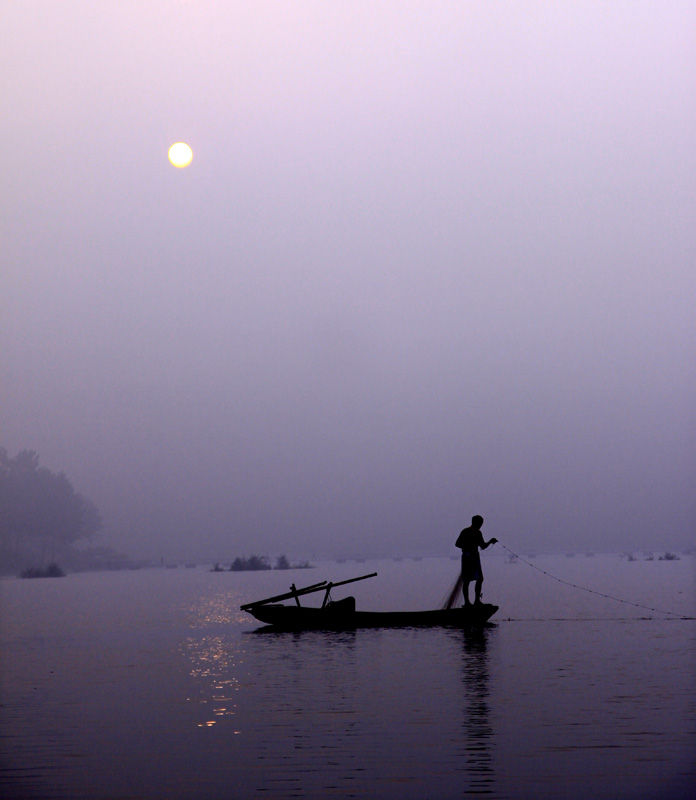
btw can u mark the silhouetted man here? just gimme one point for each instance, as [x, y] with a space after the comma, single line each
[469, 541]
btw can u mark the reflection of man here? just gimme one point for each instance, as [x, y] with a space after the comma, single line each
[479, 735]
[469, 541]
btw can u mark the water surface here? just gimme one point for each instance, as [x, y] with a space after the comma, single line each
[153, 684]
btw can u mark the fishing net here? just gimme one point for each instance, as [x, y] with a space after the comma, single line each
[451, 599]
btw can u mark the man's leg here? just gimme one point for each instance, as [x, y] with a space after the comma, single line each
[477, 590]
[465, 590]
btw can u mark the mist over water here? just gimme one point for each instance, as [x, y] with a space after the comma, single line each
[428, 261]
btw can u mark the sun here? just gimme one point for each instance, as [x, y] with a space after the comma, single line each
[180, 155]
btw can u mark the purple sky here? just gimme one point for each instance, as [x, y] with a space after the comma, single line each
[431, 259]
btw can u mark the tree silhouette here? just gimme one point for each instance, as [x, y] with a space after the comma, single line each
[41, 514]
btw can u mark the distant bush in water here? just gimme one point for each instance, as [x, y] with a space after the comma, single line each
[254, 563]
[51, 571]
[283, 563]
[669, 557]
[250, 564]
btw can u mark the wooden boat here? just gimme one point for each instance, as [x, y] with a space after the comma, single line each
[342, 615]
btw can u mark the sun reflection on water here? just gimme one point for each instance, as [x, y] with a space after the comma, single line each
[214, 659]
[220, 609]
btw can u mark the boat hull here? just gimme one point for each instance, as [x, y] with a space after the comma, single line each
[342, 616]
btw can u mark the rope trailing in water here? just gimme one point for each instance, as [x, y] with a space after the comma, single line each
[592, 591]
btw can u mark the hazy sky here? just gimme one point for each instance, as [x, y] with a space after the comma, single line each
[431, 259]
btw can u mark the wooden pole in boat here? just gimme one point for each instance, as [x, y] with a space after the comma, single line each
[296, 593]
[329, 586]
[313, 588]
[352, 580]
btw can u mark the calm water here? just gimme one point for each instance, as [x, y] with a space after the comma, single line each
[152, 684]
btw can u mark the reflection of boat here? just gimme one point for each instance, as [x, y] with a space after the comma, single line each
[341, 614]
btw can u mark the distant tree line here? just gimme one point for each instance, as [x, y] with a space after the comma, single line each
[41, 515]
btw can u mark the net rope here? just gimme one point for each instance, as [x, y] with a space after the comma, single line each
[592, 591]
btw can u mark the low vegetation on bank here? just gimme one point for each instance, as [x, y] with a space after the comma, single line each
[666, 557]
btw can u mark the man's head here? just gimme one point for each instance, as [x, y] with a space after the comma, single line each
[476, 521]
